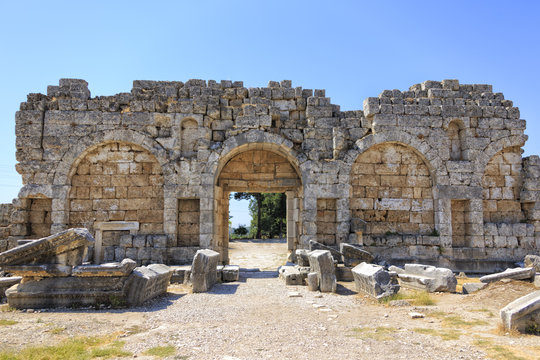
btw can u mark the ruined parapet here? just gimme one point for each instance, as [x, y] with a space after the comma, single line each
[432, 174]
[522, 314]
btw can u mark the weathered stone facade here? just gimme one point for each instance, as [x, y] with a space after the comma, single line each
[433, 174]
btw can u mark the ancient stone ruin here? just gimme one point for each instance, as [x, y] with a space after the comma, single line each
[53, 275]
[433, 174]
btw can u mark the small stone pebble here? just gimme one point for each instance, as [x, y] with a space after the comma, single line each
[294, 294]
[416, 315]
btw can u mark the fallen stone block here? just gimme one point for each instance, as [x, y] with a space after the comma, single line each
[522, 314]
[6, 282]
[68, 247]
[426, 277]
[301, 257]
[469, 288]
[39, 271]
[291, 275]
[374, 280]
[533, 261]
[71, 291]
[109, 269]
[537, 280]
[181, 274]
[312, 282]
[203, 270]
[230, 273]
[147, 282]
[322, 263]
[353, 255]
[314, 245]
[514, 274]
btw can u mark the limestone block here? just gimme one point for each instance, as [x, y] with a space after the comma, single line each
[109, 269]
[230, 273]
[147, 282]
[66, 248]
[374, 280]
[533, 261]
[428, 278]
[469, 288]
[314, 245]
[301, 257]
[66, 291]
[353, 255]
[312, 281]
[6, 282]
[522, 313]
[322, 263]
[203, 270]
[516, 274]
[291, 275]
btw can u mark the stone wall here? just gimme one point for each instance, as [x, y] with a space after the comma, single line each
[430, 174]
[5, 220]
[117, 182]
[501, 186]
[392, 191]
[326, 221]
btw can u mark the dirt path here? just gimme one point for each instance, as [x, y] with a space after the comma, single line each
[255, 318]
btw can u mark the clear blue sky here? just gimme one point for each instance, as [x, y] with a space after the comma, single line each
[353, 49]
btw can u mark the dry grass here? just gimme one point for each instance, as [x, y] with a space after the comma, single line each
[80, 348]
[380, 333]
[452, 320]
[161, 351]
[463, 280]
[417, 298]
[7, 322]
[497, 351]
[450, 334]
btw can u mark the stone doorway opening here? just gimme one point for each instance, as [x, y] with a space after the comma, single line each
[256, 168]
[258, 230]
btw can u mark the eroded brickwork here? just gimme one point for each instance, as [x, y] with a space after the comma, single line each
[392, 191]
[326, 221]
[189, 214]
[117, 182]
[501, 186]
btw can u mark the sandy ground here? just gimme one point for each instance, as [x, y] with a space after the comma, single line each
[256, 318]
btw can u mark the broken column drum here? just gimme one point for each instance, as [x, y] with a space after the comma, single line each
[430, 174]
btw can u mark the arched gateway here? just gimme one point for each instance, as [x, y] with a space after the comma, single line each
[255, 167]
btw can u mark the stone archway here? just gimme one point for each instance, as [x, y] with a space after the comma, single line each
[252, 168]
